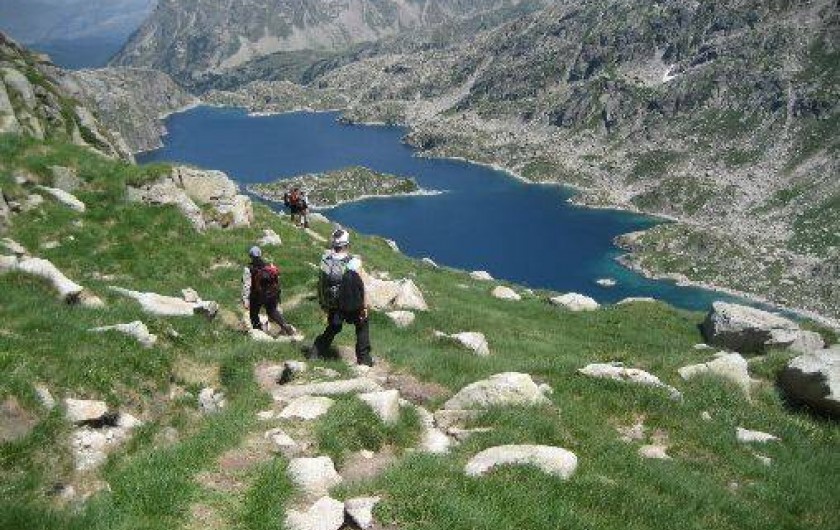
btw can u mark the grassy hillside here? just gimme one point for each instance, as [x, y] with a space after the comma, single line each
[158, 480]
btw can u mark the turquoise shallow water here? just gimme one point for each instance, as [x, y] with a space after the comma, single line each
[485, 220]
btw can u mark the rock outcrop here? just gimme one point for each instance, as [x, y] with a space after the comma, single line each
[552, 460]
[68, 290]
[575, 302]
[748, 330]
[394, 294]
[169, 306]
[617, 372]
[813, 379]
[136, 329]
[505, 389]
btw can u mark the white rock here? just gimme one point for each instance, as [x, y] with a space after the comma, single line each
[266, 415]
[136, 329]
[616, 372]
[316, 217]
[211, 401]
[813, 379]
[83, 410]
[729, 366]
[307, 408]
[325, 514]
[45, 396]
[429, 262]
[552, 460]
[402, 319]
[748, 436]
[705, 416]
[14, 247]
[655, 452]
[396, 294]
[258, 335]
[575, 302]
[166, 192]
[434, 441]
[392, 245]
[68, 290]
[360, 511]
[280, 439]
[270, 238]
[67, 199]
[449, 418]
[606, 282]
[314, 475]
[506, 293]
[327, 388]
[702, 347]
[190, 295]
[637, 300]
[746, 329]
[807, 342]
[169, 306]
[474, 341]
[505, 389]
[127, 421]
[204, 186]
[386, 404]
[483, 276]
[766, 460]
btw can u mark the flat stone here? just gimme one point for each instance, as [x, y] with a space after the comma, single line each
[65, 198]
[325, 514]
[360, 511]
[807, 342]
[314, 475]
[730, 366]
[401, 319]
[386, 404]
[575, 302]
[617, 372]
[748, 436]
[84, 410]
[505, 389]
[328, 388]
[506, 293]
[136, 329]
[552, 460]
[307, 408]
[280, 439]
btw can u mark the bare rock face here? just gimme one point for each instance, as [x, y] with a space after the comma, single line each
[730, 366]
[813, 379]
[746, 329]
[617, 372]
[575, 302]
[505, 389]
[552, 460]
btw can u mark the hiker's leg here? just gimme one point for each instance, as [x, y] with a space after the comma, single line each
[363, 342]
[276, 316]
[305, 216]
[325, 339]
[254, 307]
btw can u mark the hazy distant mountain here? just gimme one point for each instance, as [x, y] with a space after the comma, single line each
[35, 21]
[193, 39]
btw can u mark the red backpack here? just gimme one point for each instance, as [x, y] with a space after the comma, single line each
[265, 281]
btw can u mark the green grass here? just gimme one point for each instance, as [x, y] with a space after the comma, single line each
[152, 484]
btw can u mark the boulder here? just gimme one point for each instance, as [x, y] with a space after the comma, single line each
[270, 238]
[472, 340]
[505, 389]
[483, 276]
[434, 441]
[449, 418]
[396, 294]
[237, 212]
[307, 408]
[281, 440]
[813, 379]
[402, 319]
[169, 306]
[65, 178]
[360, 511]
[748, 436]
[327, 388]
[729, 366]
[617, 372]
[81, 411]
[746, 329]
[167, 193]
[211, 400]
[326, 514]
[314, 475]
[807, 341]
[204, 186]
[68, 290]
[431, 263]
[575, 302]
[386, 404]
[65, 198]
[136, 329]
[552, 460]
[506, 293]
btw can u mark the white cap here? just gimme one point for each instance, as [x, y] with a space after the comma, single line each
[255, 252]
[340, 238]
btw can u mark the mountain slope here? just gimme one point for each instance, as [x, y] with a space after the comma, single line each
[193, 39]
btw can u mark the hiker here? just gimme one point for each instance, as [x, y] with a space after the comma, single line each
[295, 201]
[261, 288]
[303, 209]
[341, 294]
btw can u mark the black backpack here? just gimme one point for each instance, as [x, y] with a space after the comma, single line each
[332, 274]
[351, 293]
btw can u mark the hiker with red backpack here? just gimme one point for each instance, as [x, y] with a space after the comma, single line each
[295, 201]
[261, 288]
[341, 294]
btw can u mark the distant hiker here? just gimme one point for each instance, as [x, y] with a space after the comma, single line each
[341, 294]
[261, 288]
[295, 201]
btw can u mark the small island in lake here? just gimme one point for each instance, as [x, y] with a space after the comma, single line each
[325, 190]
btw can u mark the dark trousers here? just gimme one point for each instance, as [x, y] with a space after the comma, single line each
[274, 315]
[335, 322]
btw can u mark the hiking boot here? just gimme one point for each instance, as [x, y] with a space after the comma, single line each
[310, 352]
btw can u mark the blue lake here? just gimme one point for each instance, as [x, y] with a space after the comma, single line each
[486, 220]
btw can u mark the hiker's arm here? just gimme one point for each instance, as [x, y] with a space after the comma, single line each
[246, 286]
